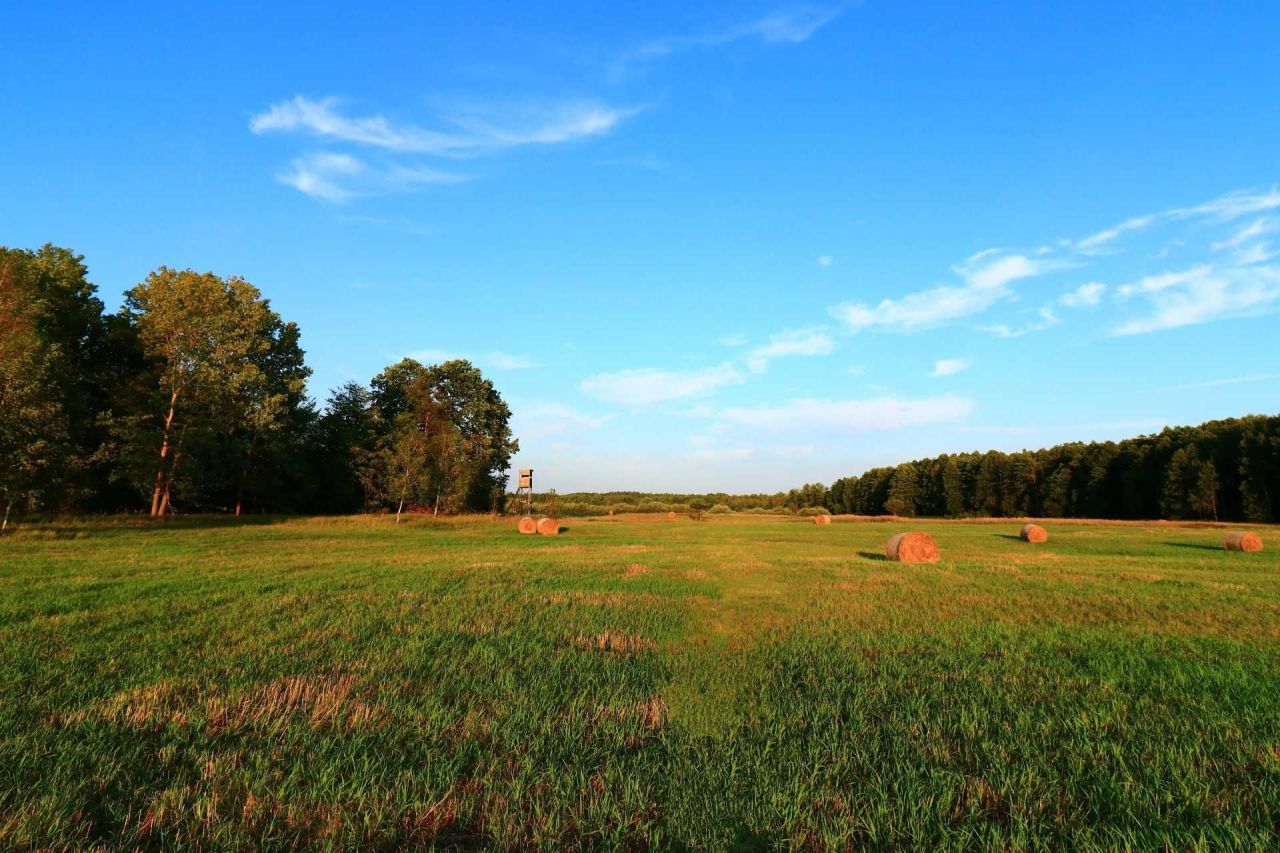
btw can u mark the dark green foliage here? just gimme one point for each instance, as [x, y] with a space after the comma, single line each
[193, 399]
[1227, 469]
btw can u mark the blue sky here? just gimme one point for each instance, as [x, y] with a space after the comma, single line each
[738, 246]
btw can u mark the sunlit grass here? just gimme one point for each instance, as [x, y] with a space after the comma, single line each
[635, 682]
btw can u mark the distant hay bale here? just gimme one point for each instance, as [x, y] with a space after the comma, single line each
[1034, 533]
[549, 526]
[822, 519]
[671, 516]
[528, 525]
[1240, 541]
[912, 548]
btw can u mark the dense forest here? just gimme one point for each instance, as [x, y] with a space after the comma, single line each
[1226, 470]
[192, 398]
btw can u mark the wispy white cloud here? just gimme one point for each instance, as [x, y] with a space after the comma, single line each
[1247, 245]
[1098, 242]
[468, 129]
[1254, 229]
[1084, 296]
[734, 340]
[793, 25]
[340, 177]
[993, 270]
[987, 279]
[1256, 253]
[810, 341]
[1047, 320]
[1222, 209]
[322, 175]
[649, 385]
[986, 276]
[950, 366]
[1230, 380]
[915, 311]
[790, 25]
[825, 260]
[545, 418]
[1232, 205]
[847, 416]
[473, 128]
[1199, 295]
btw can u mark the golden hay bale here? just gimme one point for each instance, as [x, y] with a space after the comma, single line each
[1241, 541]
[822, 519]
[528, 525]
[549, 526]
[912, 548]
[671, 516]
[1034, 534]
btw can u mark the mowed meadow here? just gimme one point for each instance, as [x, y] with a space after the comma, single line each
[635, 682]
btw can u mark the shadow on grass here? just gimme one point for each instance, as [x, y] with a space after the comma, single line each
[1012, 536]
[1195, 545]
[872, 555]
[117, 526]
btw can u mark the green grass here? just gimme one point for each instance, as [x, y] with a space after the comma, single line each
[635, 683]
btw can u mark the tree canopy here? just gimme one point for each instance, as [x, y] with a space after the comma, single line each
[193, 398]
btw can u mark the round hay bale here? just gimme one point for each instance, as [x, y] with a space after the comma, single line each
[549, 526]
[1240, 541]
[671, 516]
[822, 519]
[912, 548]
[528, 525]
[1034, 533]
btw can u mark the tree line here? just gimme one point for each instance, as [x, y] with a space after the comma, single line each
[1227, 470]
[192, 397]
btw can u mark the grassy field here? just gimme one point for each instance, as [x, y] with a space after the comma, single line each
[740, 682]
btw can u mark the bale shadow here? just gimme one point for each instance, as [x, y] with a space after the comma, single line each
[1195, 545]
[873, 555]
[1012, 536]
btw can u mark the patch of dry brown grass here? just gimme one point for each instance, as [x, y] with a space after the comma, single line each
[1149, 577]
[599, 598]
[326, 702]
[614, 642]
[148, 707]
[651, 712]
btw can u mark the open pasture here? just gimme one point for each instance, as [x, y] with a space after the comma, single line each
[636, 682]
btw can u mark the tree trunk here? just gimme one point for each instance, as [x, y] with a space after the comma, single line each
[173, 473]
[5, 526]
[160, 491]
[435, 512]
[399, 509]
